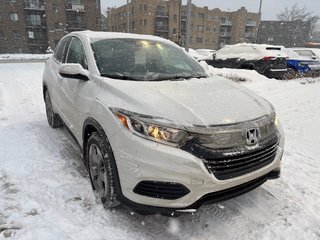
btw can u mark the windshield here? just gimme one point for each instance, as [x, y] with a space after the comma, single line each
[143, 60]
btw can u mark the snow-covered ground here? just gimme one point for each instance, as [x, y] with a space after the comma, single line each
[18, 57]
[45, 191]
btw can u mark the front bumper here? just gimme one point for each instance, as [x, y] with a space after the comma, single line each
[139, 160]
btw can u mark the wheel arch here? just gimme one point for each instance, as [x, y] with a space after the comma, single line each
[90, 125]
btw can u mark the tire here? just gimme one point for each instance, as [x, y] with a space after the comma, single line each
[101, 171]
[53, 119]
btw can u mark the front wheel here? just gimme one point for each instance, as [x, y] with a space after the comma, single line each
[99, 158]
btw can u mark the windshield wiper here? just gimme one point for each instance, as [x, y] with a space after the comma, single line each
[178, 77]
[119, 76]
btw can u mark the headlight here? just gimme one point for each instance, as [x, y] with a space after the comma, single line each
[148, 127]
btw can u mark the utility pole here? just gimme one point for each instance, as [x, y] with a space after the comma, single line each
[260, 15]
[128, 16]
[189, 4]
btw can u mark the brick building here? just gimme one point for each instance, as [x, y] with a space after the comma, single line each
[209, 28]
[30, 26]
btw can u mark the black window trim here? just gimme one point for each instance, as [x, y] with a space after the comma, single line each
[68, 39]
[67, 51]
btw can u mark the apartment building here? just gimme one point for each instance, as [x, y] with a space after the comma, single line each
[31, 26]
[168, 18]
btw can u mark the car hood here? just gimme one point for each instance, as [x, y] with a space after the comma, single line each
[201, 102]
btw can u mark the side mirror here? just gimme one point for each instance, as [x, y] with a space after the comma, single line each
[214, 56]
[74, 71]
[314, 57]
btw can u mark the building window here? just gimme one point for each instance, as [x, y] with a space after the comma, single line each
[198, 40]
[55, 8]
[16, 34]
[1, 34]
[34, 19]
[200, 28]
[132, 11]
[14, 17]
[145, 22]
[174, 31]
[161, 11]
[132, 24]
[201, 15]
[145, 8]
[175, 17]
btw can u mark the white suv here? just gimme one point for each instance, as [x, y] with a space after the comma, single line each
[157, 134]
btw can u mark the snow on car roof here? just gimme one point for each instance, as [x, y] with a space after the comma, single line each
[90, 35]
[249, 51]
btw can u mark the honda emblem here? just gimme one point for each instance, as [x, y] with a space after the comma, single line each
[252, 136]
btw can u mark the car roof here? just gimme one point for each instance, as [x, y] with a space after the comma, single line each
[89, 35]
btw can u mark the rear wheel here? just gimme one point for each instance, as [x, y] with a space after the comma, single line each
[53, 119]
[102, 174]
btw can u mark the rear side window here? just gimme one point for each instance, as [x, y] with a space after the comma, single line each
[76, 53]
[58, 54]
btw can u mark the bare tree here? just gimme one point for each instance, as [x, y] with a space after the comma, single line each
[297, 13]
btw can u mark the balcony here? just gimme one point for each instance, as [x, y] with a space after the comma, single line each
[34, 24]
[226, 23]
[225, 34]
[34, 5]
[161, 14]
[74, 25]
[38, 42]
[251, 24]
[249, 35]
[183, 18]
[162, 29]
[74, 6]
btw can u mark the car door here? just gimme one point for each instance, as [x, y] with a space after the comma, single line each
[53, 73]
[74, 90]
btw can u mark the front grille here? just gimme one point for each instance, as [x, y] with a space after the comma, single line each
[162, 190]
[229, 163]
[230, 167]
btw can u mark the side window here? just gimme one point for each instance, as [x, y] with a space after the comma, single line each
[76, 53]
[59, 51]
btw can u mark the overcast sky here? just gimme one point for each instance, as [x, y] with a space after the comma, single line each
[270, 8]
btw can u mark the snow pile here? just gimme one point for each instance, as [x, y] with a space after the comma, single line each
[237, 75]
[14, 57]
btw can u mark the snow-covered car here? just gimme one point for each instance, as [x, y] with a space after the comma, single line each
[201, 54]
[299, 63]
[157, 134]
[308, 53]
[206, 54]
[265, 59]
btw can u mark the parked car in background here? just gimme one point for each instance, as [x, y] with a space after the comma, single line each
[265, 59]
[156, 132]
[206, 53]
[299, 63]
[308, 53]
[201, 55]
